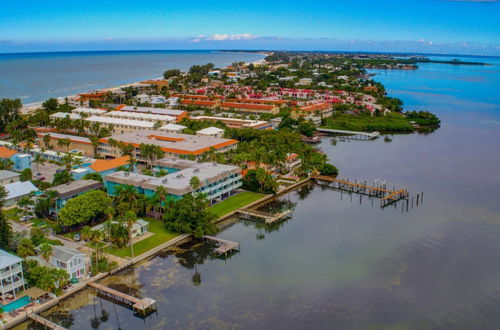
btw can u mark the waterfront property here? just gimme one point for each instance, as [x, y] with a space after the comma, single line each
[65, 115]
[72, 189]
[72, 261]
[7, 177]
[217, 181]
[139, 228]
[11, 276]
[17, 190]
[172, 144]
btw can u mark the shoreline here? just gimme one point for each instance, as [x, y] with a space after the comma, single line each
[33, 106]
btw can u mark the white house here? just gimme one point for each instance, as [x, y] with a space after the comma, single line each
[11, 275]
[211, 131]
[72, 261]
[139, 228]
[172, 128]
[17, 190]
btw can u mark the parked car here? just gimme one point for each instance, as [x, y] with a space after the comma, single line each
[26, 218]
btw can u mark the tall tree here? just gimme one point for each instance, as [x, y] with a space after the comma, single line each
[5, 228]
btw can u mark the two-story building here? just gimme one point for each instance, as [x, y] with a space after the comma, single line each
[11, 275]
[72, 261]
[217, 181]
[72, 189]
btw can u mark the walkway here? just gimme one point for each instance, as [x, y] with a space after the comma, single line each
[46, 323]
[142, 306]
[372, 135]
[387, 196]
[223, 246]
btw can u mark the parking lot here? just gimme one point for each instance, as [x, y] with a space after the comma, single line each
[46, 170]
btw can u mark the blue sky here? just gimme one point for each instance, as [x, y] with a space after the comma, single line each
[446, 26]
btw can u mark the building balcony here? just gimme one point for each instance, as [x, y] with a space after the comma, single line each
[13, 285]
[13, 271]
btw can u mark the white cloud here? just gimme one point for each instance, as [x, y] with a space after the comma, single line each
[224, 37]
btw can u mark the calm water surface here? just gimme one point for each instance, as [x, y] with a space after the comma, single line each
[341, 262]
[38, 76]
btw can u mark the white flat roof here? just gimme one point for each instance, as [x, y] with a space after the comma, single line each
[173, 127]
[120, 121]
[64, 115]
[150, 116]
[161, 111]
[89, 110]
[210, 131]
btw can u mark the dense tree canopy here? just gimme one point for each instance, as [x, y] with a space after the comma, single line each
[9, 112]
[84, 208]
[190, 215]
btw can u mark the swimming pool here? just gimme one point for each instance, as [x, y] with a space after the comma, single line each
[16, 304]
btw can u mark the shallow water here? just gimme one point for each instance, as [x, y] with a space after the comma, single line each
[34, 77]
[341, 261]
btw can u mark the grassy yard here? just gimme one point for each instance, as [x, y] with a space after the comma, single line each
[13, 214]
[235, 202]
[160, 236]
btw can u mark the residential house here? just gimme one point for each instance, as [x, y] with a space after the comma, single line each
[17, 190]
[72, 189]
[11, 275]
[72, 261]
[7, 177]
[139, 228]
[19, 160]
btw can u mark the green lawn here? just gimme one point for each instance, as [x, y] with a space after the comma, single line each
[13, 214]
[235, 202]
[161, 235]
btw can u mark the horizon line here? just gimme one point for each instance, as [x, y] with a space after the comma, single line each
[242, 51]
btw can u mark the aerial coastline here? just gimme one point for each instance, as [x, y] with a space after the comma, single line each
[208, 122]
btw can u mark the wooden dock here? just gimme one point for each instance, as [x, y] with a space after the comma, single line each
[139, 306]
[365, 135]
[223, 246]
[269, 218]
[46, 323]
[387, 196]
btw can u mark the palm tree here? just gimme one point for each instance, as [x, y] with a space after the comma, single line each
[161, 193]
[46, 251]
[194, 182]
[130, 218]
[46, 141]
[38, 160]
[86, 233]
[95, 144]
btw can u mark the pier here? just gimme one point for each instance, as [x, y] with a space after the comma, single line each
[387, 196]
[268, 218]
[362, 135]
[46, 323]
[223, 246]
[139, 306]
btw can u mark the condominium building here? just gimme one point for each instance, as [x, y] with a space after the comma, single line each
[172, 144]
[150, 117]
[217, 181]
[237, 123]
[178, 114]
[119, 125]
